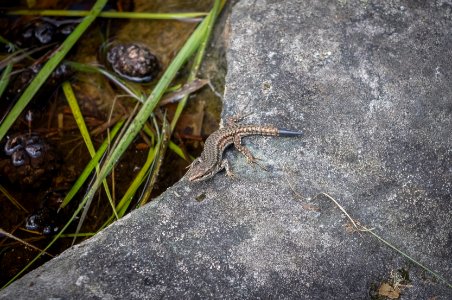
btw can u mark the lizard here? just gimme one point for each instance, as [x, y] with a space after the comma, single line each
[211, 160]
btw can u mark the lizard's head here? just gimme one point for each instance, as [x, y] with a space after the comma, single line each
[199, 171]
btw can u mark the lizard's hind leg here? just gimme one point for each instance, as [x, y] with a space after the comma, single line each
[246, 152]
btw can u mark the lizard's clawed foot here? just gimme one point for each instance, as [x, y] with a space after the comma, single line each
[232, 120]
[230, 174]
[251, 160]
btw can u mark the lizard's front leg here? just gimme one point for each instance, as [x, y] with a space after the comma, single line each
[233, 120]
[225, 165]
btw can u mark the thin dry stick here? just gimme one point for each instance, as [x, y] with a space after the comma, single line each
[304, 205]
[186, 89]
[209, 83]
[356, 224]
[23, 242]
[363, 228]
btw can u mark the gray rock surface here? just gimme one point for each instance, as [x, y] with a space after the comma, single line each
[370, 84]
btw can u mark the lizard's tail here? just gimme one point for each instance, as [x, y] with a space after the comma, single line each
[286, 132]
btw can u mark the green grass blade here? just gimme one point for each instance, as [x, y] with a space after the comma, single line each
[210, 20]
[147, 129]
[124, 204]
[75, 188]
[12, 199]
[22, 54]
[437, 275]
[91, 165]
[109, 14]
[5, 78]
[73, 104]
[358, 226]
[148, 106]
[55, 238]
[77, 113]
[160, 155]
[80, 234]
[176, 149]
[48, 68]
[134, 93]
[9, 235]
[11, 47]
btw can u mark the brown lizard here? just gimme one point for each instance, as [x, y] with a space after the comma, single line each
[211, 160]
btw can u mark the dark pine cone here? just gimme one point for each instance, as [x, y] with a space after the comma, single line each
[133, 62]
